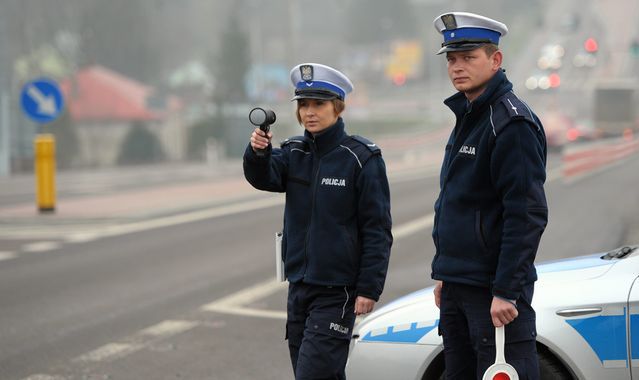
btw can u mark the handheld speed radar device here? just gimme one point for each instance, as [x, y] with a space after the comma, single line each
[262, 118]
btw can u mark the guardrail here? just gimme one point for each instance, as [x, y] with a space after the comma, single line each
[583, 159]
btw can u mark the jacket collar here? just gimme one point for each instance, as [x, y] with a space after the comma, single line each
[329, 139]
[497, 86]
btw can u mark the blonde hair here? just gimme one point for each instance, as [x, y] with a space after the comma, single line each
[338, 104]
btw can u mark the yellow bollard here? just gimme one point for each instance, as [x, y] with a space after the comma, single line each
[44, 145]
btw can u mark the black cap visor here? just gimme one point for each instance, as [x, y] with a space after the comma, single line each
[315, 93]
[462, 46]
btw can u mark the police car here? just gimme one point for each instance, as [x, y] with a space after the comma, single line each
[587, 325]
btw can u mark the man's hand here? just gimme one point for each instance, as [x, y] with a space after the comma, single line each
[502, 312]
[363, 305]
[260, 139]
[438, 292]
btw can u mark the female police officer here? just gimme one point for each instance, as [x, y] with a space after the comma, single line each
[337, 223]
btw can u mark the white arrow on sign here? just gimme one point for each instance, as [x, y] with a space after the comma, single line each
[46, 104]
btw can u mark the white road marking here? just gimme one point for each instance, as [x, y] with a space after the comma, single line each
[168, 328]
[44, 377]
[20, 232]
[6, 255]
[81, 237]
[109, 352]
[191, 216]
[101, 231]
[413, 226]
[248, 312]
[141, 340]
[250, 294]
[235, 303]
[41, 246]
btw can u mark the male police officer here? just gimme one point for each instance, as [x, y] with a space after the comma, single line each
[337, 222]
[491, 210]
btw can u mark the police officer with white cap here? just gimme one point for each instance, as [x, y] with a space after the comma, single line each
[337, 223]
[491, 210]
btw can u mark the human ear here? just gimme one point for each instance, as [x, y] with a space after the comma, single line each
[497, 59]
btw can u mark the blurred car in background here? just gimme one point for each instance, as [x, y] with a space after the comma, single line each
[549, 62]
[587, 325]
[543, 81]
[582, 130]
[556, 125]
[551, 57]
[584, 59]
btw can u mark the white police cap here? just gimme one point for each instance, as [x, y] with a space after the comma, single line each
[467, 31]
[317, 81]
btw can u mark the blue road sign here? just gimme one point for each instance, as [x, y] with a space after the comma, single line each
[42, 100]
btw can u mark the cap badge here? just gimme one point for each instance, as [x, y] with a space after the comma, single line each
[449, 21]
[307, 73]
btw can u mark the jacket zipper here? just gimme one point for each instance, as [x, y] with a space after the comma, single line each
[452, 156]
[454, 149]
[310, 220]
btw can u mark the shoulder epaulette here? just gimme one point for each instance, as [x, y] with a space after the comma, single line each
[363, 148]
[293, 140]
[509, 108]
[368, 144]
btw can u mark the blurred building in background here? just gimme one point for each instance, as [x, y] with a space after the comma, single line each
[104, 106]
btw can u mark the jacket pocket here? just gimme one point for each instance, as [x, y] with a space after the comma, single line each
[456, 236]
[516, 331]
[479, 232]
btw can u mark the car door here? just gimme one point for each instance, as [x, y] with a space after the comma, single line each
[633, 326]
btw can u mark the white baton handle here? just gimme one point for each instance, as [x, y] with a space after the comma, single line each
[500, 339]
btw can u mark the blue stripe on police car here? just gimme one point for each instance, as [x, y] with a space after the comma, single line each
[396, 334]
[606, 335]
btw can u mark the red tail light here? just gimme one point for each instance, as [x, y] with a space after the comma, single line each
[591, 45]
[572, 134]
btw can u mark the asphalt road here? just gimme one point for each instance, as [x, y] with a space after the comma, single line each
[151, 304]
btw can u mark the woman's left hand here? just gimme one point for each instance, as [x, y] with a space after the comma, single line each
[363, 305]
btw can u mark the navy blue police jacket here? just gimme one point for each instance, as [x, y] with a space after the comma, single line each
[491, 210]
[337, 222]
